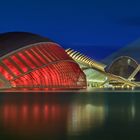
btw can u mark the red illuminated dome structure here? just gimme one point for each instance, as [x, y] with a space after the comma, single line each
[30, 61]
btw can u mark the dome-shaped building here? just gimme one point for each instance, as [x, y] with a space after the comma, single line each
[32, 61]
[122, 66]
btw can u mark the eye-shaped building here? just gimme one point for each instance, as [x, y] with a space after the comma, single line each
[31, 61]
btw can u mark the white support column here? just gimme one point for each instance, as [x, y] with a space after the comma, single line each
[134, 73]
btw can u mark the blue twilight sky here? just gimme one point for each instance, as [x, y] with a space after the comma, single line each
[95, 27]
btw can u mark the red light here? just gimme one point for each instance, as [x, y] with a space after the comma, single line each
[43, 66]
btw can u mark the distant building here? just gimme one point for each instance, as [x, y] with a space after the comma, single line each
[122, 72]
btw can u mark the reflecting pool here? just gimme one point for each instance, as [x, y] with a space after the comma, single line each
[70, 116]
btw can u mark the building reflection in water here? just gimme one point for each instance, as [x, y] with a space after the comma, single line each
[133, 109]
[25, 117]
[84, 117]
[34, 115]
[54, 115]
[42, 114]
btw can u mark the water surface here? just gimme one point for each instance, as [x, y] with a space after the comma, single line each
[70, 116]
